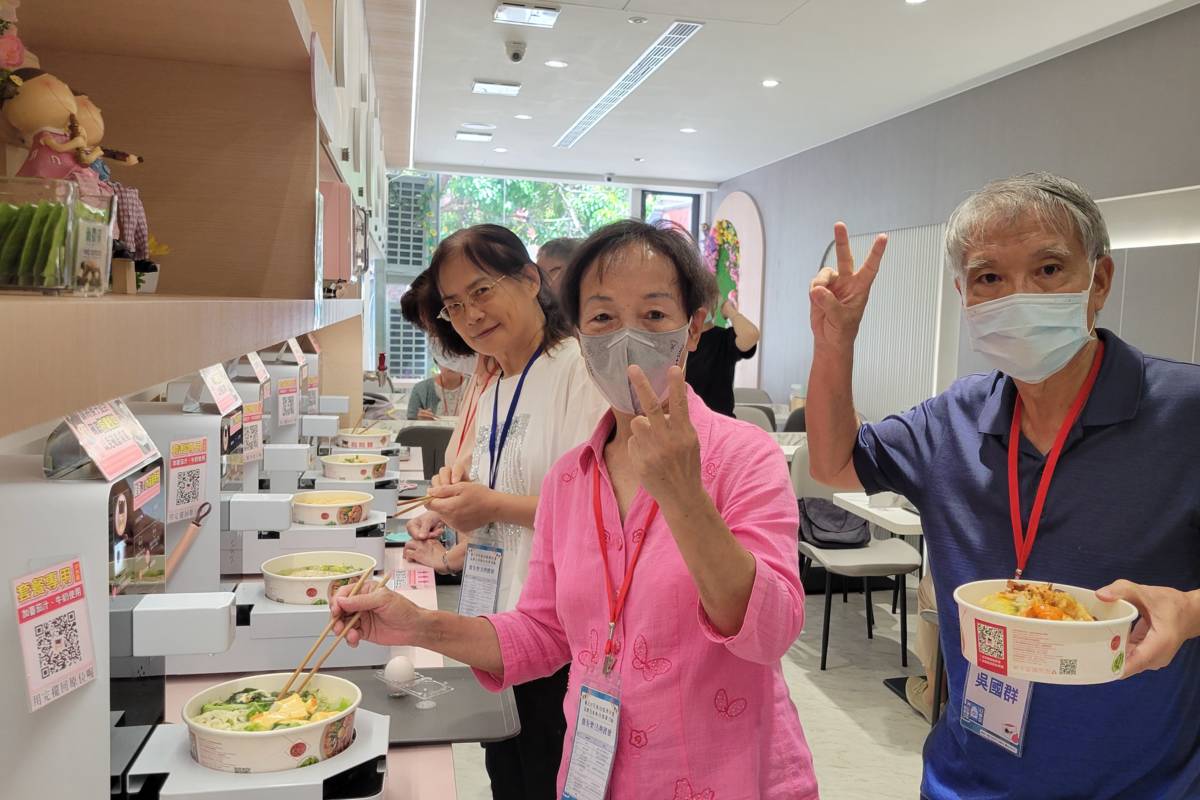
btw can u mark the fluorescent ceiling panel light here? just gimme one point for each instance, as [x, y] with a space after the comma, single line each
[418, 15]
[914, 2]
[478, 126]
[491, 87]
[521, 14]
[499, 149]
[522, 116]
[555, 63]
[770, 83]
[470, 136]
[646, 64]
[687, 130]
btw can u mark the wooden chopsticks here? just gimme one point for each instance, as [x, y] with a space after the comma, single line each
[346, 629]
[409, 505]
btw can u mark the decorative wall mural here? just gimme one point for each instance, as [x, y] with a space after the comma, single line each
[722, 254]
[738, 214]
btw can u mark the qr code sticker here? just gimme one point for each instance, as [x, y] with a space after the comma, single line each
[990, 641]
[187, 486]
[287, 406]
[58, 644]
[1068, 666]
[250, 438]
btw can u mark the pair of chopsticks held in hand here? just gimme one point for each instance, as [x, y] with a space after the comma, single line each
[350, 623]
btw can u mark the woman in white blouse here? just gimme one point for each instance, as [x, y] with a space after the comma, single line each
[486, 296]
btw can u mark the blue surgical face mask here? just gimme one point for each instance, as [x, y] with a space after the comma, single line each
[608, 357]
[1029, 337]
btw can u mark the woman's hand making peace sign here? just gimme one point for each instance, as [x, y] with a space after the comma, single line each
[664, 450]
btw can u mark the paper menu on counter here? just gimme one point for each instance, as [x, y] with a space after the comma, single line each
[112, 437]
[221, 388]
[55, 632]
[297, 352]
[406, 578]
[260, 369]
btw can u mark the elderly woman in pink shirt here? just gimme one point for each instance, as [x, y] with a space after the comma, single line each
[664, 563]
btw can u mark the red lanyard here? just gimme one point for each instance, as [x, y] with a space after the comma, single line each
[616, 602]
[1024, 542]
[471, 409]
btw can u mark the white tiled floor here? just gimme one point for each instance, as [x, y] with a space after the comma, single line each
[866, 743]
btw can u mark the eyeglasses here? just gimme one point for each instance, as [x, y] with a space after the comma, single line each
[476, 298]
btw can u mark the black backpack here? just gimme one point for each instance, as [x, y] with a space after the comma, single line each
[822, 524]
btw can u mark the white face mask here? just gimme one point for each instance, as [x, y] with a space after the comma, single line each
[463, 364]
[1029, 337]
[609, 355]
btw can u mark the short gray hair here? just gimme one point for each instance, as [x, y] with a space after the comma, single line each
[562, 248]
[1059, 203]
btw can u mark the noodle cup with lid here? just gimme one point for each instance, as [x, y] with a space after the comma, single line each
[310, 579]
[1070, 652]
[274, 750]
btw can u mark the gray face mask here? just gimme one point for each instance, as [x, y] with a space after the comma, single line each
[609, 355]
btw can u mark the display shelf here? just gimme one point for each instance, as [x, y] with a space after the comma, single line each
[63, 353]
[262, 34]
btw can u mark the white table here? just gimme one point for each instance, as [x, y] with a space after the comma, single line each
[894, 519]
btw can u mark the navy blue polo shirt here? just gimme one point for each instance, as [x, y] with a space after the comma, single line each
[1124, 503]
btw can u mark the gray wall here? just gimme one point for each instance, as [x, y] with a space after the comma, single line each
[1120, 116]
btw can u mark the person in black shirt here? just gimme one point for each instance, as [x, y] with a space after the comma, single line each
[710, 367]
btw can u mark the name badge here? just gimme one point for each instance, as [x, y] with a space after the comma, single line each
[480, 590]
[996, 707]
[595, 745]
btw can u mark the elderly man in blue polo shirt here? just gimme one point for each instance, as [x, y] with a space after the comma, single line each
[1119, 510]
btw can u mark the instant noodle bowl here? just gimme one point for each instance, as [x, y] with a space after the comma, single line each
[1063, 651]
[330, 508]
[284, 747]
[354, 466]
[310, 579]
[359, 439]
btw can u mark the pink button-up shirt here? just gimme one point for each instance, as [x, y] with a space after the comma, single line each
[703, 716]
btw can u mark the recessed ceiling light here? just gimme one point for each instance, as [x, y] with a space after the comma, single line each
[521, 14]
[687, 130]
[770, 83]
[555, 63]
[639, 159]
[499, 149]
[522, 116]
[638, 20]
[478, 126]
[491, 87]
[470, 136]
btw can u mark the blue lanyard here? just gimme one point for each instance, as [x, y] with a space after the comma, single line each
[495, 452]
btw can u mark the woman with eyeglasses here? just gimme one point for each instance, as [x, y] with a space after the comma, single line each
[664, 567]
[486, 296]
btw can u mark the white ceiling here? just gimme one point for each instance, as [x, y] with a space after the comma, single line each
[844, 65]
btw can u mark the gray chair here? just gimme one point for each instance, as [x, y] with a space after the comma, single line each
[433, 441]
[768, 410]
[755, 415]
[747, 394]
[795, 422]
[881, 558]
